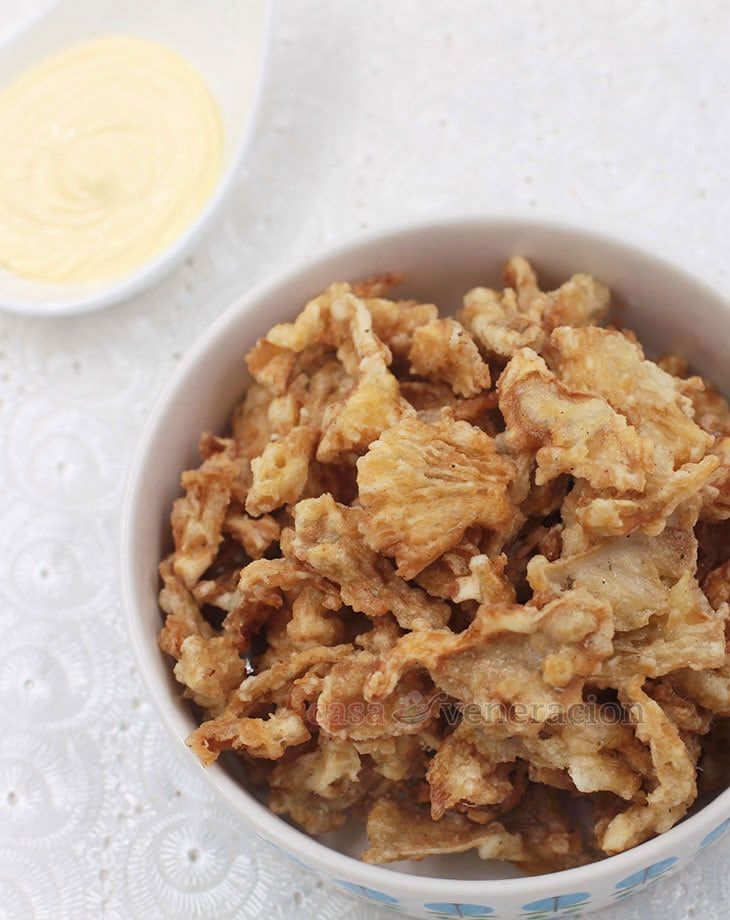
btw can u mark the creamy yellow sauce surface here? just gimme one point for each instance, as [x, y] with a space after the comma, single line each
[107, 153]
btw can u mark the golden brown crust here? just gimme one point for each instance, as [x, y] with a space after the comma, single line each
[403, 596]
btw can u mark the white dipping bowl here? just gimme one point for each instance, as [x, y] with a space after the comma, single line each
[670, 310]
[227, 42]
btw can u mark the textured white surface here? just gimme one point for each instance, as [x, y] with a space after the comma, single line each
[611, 113]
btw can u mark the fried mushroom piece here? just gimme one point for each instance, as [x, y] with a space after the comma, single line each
[182, 614]
[327, 538]
[267, 738]
[396, 322]
[421, 486]
[716, 494]
[688, 634]
[400, 830]
[280, 473]
[522, 316]
[373, 405]
[210, 669]
[573, 432]
[535, 836]
[498, 322]
[458, 774]
[317, 788]
[345, 712]
[251, 429]
[509, 656]
[197, 518]
[255, 535]
[635, 573]
[588, 751]
[444, 350]
[674, 771]
[605, 363]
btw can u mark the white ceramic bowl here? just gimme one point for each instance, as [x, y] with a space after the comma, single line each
[226, 41]
[669, 308]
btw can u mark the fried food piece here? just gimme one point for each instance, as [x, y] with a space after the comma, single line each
[674, 771]
[690, 634]
[316, 788]
[373, 405]
[267, 738]
[255, 535]
[210, 669]
[499, 324]
[280, 473]
[459, 774]
[312, 623]
[711, 410]
[399, 757]
[197, 518]
[396, 322]
[487, 582]
[182, 614]
[327, 537]
[269, 685]
[592, 754]
[344, 711]
[535, 836]
[717, 585]
[579, 302]
[635, 573]
[716, 494]
[336, 319]
[509, 655]
[607, 364]
[522, 316]
[601, 516]
[444, 350]
[421, 486]
[573, 432]
[684, 712]
[399, 831]
[465, 574]
[269, 581]
[251, 428]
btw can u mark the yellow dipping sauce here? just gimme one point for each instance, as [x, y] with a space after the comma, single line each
[107, 153]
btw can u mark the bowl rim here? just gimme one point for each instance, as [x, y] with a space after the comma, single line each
[106, 294]
[305, 849]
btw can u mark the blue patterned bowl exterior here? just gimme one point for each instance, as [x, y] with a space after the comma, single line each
[564, 901]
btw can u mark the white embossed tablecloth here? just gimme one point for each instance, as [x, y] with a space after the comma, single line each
[612, 112]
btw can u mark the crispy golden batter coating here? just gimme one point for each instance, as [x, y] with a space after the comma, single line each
[674, 771]
[327, 537]
[635, 574]
[477, 618]
[572, 431]
[210, 669]
[538, 658]
[255, 535]
[458, 773]
[182, 614]
[280, 472]
[197, 519]
[607, 364]
[421, 486]
[444, 350]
